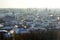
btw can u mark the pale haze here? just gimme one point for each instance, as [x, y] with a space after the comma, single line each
[29, 3]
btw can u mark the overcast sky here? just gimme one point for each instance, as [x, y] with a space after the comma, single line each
[29, 3]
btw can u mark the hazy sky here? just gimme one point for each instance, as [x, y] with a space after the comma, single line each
[29, 4]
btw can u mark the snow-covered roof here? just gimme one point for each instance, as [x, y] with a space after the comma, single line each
[21, 31]
[3, 31]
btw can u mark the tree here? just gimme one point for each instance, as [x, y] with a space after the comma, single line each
[2, 21]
